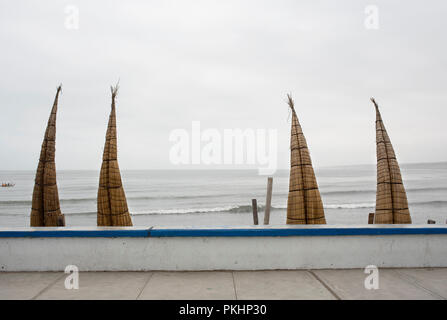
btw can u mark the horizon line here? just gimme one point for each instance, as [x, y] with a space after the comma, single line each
[190, 168]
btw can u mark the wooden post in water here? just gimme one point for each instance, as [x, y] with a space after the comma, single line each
[61, 220]
[430, 221]
[268, 200]
[371, 218]
[254, 204]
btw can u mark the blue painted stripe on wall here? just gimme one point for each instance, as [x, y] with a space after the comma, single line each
[74, 234]
[291, 232]
[220, 232]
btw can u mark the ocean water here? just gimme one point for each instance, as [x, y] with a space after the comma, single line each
[223, 197]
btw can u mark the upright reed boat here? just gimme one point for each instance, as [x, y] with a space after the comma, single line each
[391, 198]
[304, 205]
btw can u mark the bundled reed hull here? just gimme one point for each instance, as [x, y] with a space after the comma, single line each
[391, 198]
[112, 204]
[45, 209]
[304, 205]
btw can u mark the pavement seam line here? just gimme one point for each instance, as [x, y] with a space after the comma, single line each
[234, 285]
[145, 285]
[415, 283]
[48, 286]
[328, 288]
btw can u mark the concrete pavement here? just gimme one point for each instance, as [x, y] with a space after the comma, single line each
[241, 285]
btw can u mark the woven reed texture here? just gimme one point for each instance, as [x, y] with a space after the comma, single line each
[112, 203]
[45, 208]
[304, 205]
[391, 198]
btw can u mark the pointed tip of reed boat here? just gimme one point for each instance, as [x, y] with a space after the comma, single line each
[290, 101]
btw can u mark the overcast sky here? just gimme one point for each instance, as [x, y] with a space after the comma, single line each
[227, 64]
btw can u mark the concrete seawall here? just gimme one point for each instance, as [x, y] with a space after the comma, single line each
[223, 248]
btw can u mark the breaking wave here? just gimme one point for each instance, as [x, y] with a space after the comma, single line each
[235, 209]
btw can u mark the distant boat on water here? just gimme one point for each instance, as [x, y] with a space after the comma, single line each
[8, 185]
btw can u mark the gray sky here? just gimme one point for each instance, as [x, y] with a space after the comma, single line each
[228, 64]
